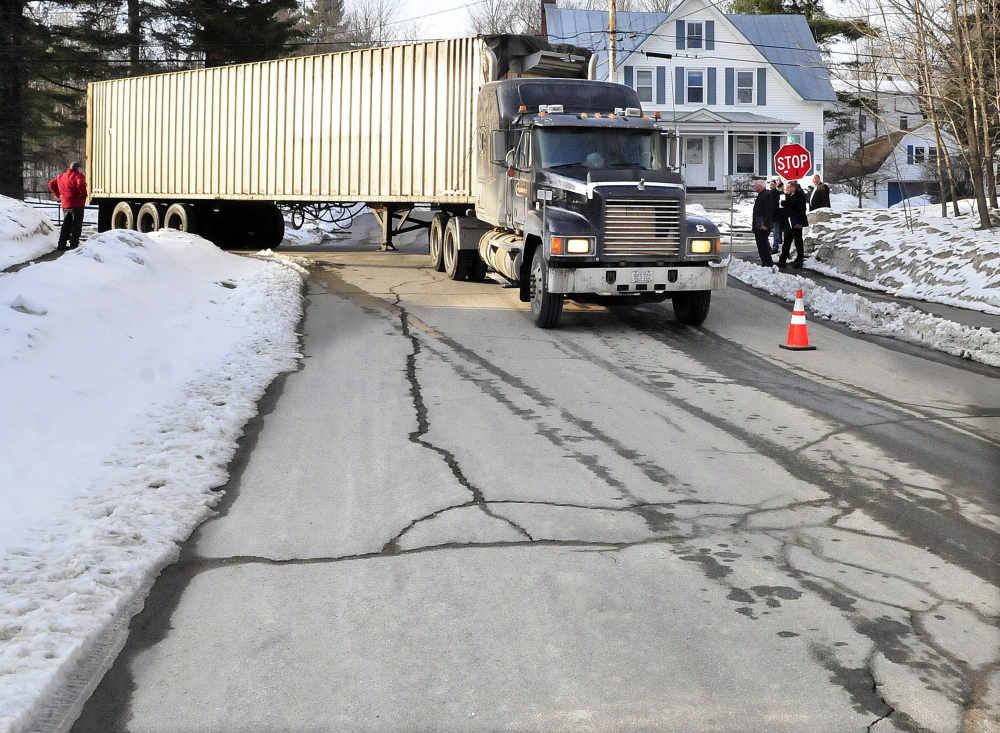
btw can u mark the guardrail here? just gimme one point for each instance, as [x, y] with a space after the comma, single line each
[53, 211]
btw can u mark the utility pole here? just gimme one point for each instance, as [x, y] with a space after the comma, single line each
[611, 40]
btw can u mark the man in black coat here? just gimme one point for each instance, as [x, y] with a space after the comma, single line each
[819, 194]
[763, 222]
[793, 208]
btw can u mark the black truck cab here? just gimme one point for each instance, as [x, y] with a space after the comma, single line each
[573, 177]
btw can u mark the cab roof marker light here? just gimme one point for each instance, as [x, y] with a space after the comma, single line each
[633, 112]
[522, 109]
[555, 109]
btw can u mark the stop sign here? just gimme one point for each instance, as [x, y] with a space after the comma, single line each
[792, 161]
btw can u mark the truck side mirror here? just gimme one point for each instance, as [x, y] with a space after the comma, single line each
[499, 147]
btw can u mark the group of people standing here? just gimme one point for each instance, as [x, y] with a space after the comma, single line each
[784, 214]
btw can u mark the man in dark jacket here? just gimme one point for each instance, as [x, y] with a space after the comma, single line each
[819, 194]
[793, 208]
[763, 222]
[71, 190]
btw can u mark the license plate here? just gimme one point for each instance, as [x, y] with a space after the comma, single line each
[642, 276]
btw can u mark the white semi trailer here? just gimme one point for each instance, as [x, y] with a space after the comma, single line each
[555, 182]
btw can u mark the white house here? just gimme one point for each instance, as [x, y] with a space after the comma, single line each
[890, 143]
[732, 88]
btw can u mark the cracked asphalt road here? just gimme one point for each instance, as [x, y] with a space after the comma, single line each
[449, 520]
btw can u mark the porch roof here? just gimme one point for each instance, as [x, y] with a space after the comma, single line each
[739, 121]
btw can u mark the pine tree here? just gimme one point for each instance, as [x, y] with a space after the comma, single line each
[231, 31]
[323, 27]
[824, 28]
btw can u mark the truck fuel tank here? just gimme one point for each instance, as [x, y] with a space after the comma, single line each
[502, 251]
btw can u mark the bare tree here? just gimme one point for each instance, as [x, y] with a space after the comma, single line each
[492, 17]
[949, 46]
[626, 6]
[372, 23]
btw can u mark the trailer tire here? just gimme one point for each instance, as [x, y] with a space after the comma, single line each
[435, 240]
[277, 232]
[266, 226]
[691, 309]
[181, 217]
[123, 216]
[546, 307]
[149, 218]
[457, 262]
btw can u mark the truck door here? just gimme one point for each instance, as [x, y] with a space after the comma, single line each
[520, 182]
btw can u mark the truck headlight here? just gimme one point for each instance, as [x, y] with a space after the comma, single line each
[703, 246]
[572, 245]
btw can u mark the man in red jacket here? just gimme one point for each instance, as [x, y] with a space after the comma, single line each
[71, 190]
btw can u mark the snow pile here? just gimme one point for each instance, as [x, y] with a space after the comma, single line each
[25, 233]
[882, 319]
[129, 368]
[912, 253]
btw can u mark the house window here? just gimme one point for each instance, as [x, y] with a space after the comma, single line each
[644, 84]
[746, 154]
[695, 34]
[918, 156]
[904, 122]
[696, 87]
[932, 156]
[744, 87]
[863, 123]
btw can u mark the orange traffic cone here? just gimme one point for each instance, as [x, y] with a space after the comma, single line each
[798, 336]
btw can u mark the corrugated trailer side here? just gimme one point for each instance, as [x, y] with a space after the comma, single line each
[383, 125]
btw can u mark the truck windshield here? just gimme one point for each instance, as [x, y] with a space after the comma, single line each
[598, 148]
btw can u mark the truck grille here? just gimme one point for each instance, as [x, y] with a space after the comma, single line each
[642, 227]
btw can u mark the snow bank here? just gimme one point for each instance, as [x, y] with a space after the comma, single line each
[129, 369]
[882, 319]
[912, 253]
[25, 233]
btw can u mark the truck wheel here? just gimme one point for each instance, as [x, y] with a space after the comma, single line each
[149, 218]
[691, 309]
[457, 262]
[435, 241]
[181, 217]
[545, 306]
[123, 216]
[478, 268]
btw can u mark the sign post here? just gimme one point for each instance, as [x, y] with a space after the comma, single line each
[792, 161]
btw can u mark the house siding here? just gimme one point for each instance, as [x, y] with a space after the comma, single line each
[725, 52]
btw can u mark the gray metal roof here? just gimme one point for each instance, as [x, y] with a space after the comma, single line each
[784, 40]
[589, 28]
[787, 43]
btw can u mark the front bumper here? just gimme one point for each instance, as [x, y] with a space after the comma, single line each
[614, 280]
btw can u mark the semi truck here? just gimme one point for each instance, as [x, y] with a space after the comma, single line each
[536, 174]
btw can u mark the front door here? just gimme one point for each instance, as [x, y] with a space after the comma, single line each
[696, 161]
[520, 183]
